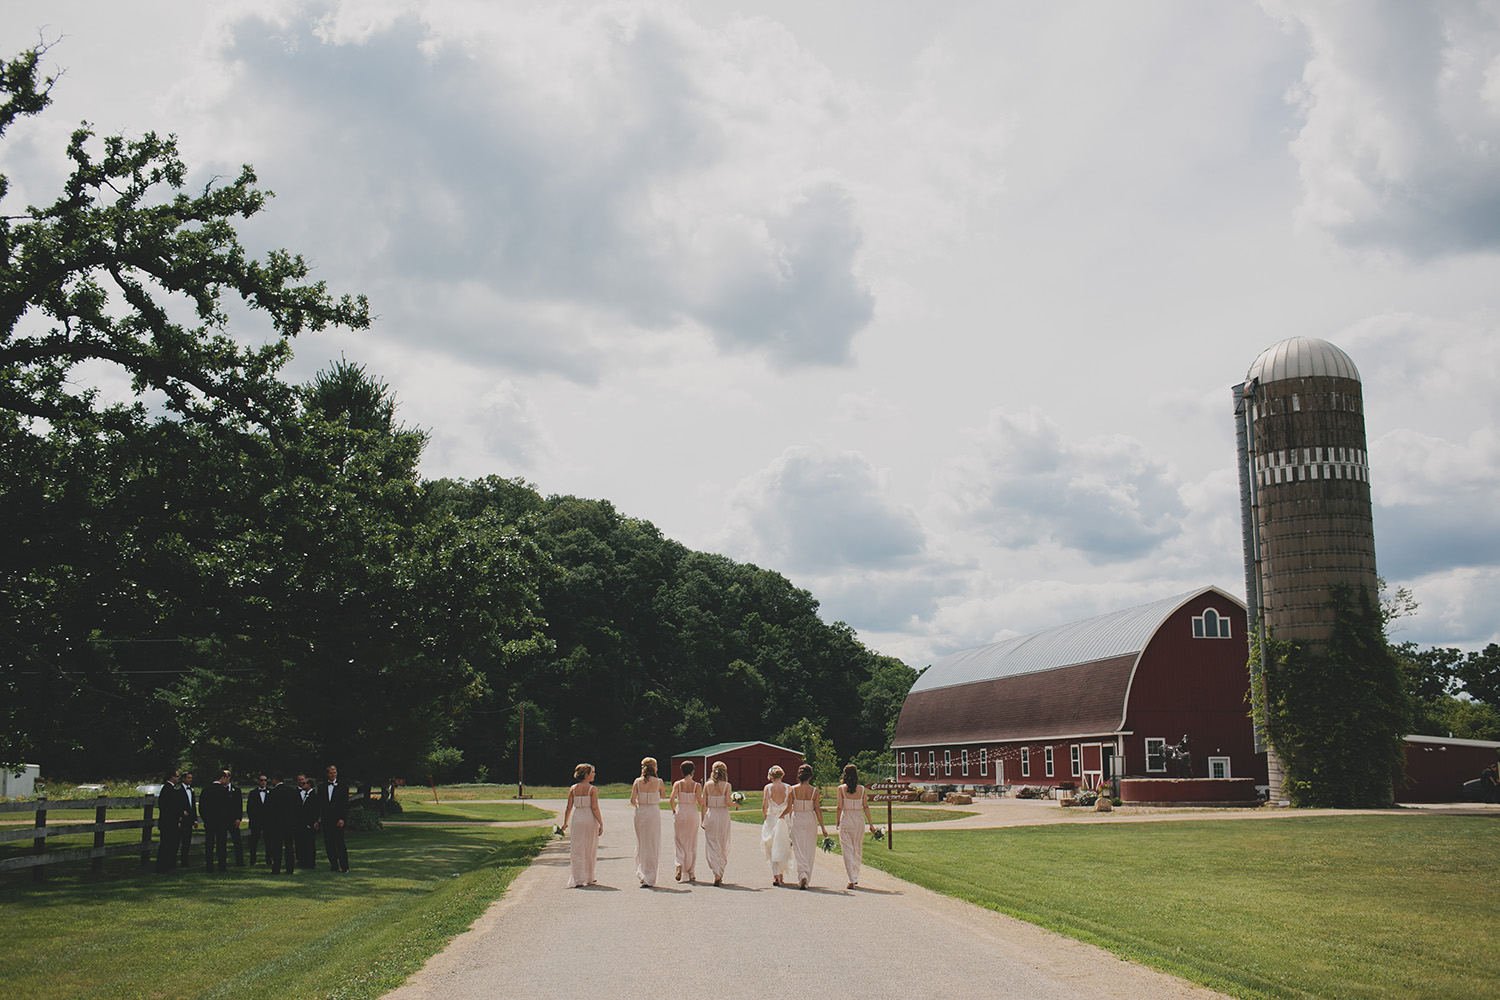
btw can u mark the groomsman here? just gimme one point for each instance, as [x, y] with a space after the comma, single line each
[221, 811]
[281, 825]
[168, 822]
[255, 815]
[309, 811]
[189, 796]
[334, 801]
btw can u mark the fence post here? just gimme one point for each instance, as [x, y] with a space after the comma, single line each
[39, 844]
[99, 806]
[146, 824]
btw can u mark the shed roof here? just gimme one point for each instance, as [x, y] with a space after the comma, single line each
[717, 748]
[1118, 633]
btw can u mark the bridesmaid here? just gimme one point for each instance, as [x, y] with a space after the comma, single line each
[774, 838]
[645, 796]
[583, 846]
[685, 822]
[716, 804]
[805, 811]
[852, 799]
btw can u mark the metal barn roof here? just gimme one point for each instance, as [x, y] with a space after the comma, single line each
[718, 748]
[1118, 633]
[1301, 357]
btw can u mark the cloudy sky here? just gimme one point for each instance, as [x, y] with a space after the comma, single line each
[933, 308]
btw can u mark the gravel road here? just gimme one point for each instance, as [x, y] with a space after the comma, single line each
[752, 940]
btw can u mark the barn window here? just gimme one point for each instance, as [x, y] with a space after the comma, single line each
[932, 763]
[963, 757]
[1048, 754]
[1156, 755]
[1218, 767]
[1210, 625]
[901, 759]
[984, 760]
[1077, 761]
[947, 761]
[1026, 762]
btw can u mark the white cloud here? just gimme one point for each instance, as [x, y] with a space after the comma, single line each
[1108, 498]
[1400, 144]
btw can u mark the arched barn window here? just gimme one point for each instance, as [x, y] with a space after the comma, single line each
[1210, 625]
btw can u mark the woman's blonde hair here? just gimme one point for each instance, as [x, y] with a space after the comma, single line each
[648, 767]
[775, 772]
[581, 771]
[720, 771]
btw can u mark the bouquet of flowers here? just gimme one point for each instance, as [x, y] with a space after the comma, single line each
[879, 833]
[738, 798]
[827, 845]
[556, 830]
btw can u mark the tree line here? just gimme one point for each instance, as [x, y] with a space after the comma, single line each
[231, 569]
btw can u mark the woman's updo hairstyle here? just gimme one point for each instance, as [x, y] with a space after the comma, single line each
[804, 773]
[775, 773]
[851, 777]
[648, 767]
[720, 771]
[581, 771]
[687, 769]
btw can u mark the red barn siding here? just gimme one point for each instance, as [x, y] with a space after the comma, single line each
[1199, 688]
[1436, 772]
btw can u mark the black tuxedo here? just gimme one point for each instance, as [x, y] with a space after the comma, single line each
[333, 800]
[255, 815]
[310, 810]
[282, 807]
[221, 811]
[169, 807]
[189, 798]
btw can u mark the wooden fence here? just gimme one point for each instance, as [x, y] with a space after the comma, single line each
[40, 857]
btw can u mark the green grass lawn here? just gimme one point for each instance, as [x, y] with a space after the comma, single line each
[1339, 907]
[417, 811]
[249, 934]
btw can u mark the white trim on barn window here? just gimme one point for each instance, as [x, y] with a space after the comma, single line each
[1210, 625]
[1077, 761]
[1026, 762]
[984, 760]
[932, 763]
[947, 762]
[963, 759]
[1156, 749]
[902, 759]
[1047, 753]
[1218, 767]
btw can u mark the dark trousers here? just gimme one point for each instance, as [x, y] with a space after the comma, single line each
[215, 841]
[279, 848]
[185, 842]
[307, 847]
[255, 832]
[239, 846]
[166, 848]
[333, 846]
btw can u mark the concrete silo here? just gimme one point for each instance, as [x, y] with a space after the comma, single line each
[1304, 492]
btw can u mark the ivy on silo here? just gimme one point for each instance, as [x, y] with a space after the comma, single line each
[1336, 713]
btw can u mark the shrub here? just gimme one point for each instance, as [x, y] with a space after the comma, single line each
[362, 819]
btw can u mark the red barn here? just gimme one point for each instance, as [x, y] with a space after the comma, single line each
[1438, 766]
[747, 762]
[1088, 701]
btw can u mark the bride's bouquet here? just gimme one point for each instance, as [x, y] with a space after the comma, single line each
[738, 798]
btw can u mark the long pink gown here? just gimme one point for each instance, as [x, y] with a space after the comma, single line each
[804, 834]
[647, 835]
[852, 831]
[583, 841]
[716, 833]
[685, 831]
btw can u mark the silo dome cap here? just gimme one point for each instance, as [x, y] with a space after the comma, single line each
[1301, 357]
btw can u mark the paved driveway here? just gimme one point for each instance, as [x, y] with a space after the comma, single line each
[748, 939]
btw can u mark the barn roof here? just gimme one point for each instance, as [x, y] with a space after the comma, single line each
[717, 748]
[1103, 637]
[1071, 681]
